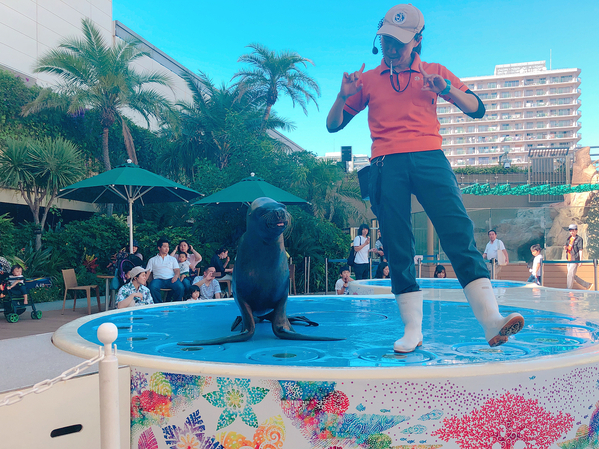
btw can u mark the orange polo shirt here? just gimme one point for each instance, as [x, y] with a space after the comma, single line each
[403, 122]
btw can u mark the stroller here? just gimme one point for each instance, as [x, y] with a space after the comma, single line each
[13, 306]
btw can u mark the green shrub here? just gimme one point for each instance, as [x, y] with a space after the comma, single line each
[7, 236]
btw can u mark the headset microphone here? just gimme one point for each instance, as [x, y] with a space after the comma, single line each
[374, 49]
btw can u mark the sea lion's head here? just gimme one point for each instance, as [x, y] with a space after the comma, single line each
[268, 217]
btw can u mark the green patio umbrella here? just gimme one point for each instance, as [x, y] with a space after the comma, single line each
[247, 190]
[128, 183]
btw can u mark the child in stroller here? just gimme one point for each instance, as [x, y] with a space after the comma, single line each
[14, 292]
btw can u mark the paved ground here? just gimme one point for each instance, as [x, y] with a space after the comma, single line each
[51, 318]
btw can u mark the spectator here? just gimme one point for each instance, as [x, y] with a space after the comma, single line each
[193, 257]
[220, 261]
[16, 284]
[378, 251]
[165, 273]
[440, 272]
[134, 293]
[208, 285]
[341, 286]
[492, 250]
[535, 271]
[184, 270]
[194, 293]
[574, 246]
[361, 247]
[136, 252]
[382, 271]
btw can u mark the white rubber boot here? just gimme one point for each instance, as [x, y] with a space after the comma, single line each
[498, 328]
[410, 309]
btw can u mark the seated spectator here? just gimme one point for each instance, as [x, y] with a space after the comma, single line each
[194, 293]
[16, 284]
[382, 271]
[440, 272]
[342, 284]
[136, 252]
[134, 293]
[208, 285]
[165, 273]
[184, 270]
[193, 257]
[220, 261]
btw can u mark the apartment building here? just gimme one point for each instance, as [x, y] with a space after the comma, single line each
[528, 106]
[358, 160]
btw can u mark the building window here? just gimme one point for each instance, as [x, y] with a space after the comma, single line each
[443, 120]
[540, 125]
[530, 114]
[443, 110]
[565, 79]
[483, 96]
[506, 95]
[505, 105]
[505, 127]
[528, 93]
[483, 128]
[470, 150]
[443, 131]
[518, 104]
[540, 92]
[542, 80]
[459, 140]
[529, 81]
[491, 85]
[471, 129]
[479, 86]
[513, 83]
[530, 125]
[471, 86]
[564, 112]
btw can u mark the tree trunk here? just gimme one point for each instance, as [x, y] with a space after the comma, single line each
[106, 157]
[129, 144]
[105, 153]
[266, 116]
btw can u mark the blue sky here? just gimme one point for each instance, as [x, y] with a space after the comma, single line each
[469, 37]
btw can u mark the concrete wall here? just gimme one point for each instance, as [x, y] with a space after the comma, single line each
[29, 28]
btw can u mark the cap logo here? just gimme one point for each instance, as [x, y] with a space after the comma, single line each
[399, 18]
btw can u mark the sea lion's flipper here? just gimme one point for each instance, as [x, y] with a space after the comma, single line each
[282, 328]
[247, 332]
[236, 323]
[302, 320]
[285, 334]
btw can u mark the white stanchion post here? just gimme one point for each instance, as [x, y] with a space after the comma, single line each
[110, 434]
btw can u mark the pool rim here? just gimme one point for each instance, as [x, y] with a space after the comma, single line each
[68, 339]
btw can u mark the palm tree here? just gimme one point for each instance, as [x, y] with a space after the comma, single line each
[218, 121]
[96, 76]
[39, 169]
[272, 73]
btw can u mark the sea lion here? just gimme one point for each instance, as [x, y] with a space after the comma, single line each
[261, 275]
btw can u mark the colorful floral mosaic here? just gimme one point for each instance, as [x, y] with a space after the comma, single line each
[236, 397]
[177, 411]
[506, 420]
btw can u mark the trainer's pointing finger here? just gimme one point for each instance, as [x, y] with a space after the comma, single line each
[362, 68]
[422, 70]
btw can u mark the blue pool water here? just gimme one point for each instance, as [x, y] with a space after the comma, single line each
[369, 326]
[440, 283]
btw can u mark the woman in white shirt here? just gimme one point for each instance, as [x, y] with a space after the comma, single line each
[361, 247]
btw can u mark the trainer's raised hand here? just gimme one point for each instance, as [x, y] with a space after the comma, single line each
[351, 83]
[435, 83]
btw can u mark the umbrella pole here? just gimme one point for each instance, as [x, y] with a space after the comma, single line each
[130, 223]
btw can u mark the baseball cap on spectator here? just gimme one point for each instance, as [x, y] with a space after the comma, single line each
[136, 271]
[573, 227]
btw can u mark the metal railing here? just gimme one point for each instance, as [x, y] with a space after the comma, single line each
[550, 262]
